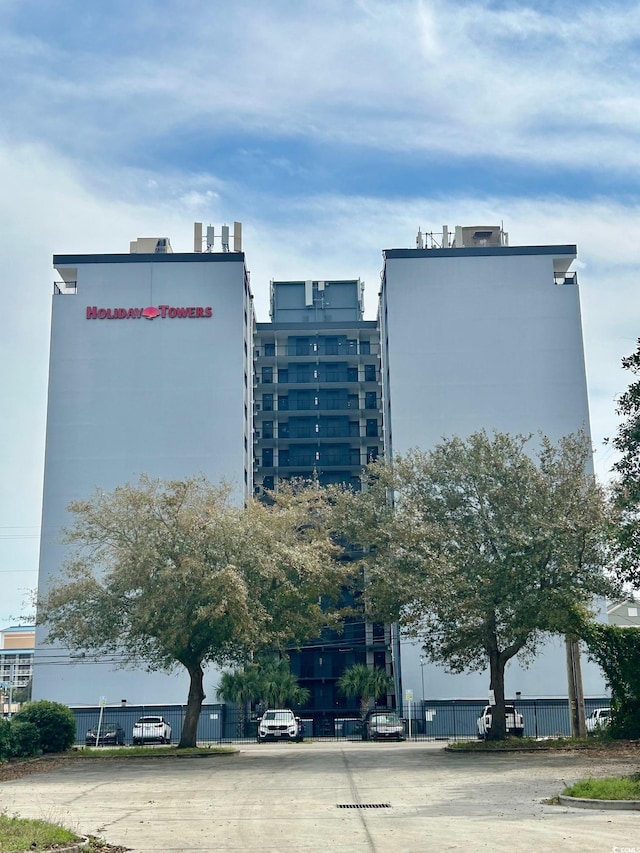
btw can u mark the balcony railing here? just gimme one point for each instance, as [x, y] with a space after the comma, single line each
[357, 348]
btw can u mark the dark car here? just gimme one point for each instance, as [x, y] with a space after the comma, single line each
[111, 734]
[383, 725]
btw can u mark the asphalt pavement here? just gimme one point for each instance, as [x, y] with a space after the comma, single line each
[316, 797]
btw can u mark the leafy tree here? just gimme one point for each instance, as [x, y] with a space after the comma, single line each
[364, 683]
[55, 723]
[617, 651]
[173, 574]
[626, 488]
[23, 694]
[5, 739]
[488, 544]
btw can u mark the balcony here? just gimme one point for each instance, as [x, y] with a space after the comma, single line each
[362, 348]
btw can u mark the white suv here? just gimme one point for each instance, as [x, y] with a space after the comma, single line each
[279, 724]
[514, 721]
[151, 728]
[598, 720]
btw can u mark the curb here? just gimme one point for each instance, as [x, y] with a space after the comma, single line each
[609, 805]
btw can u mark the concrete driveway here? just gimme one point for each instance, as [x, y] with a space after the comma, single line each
[330, 798]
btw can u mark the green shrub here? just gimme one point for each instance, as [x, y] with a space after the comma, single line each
[24, 739]
[55, 723]
[5, 740]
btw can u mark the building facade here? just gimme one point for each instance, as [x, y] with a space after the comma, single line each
[477, 334]
[318, 417]
[150, 373]
[16, 666]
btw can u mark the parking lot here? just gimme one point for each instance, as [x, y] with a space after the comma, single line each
[346, 796]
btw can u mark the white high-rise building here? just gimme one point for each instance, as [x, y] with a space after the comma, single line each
[477, 334]
[154, 368]
[150, 373]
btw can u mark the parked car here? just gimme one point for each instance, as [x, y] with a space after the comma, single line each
[513, 719]
[148, 729]
[110, 734]
[380, 724]
[597, 720]
[280, 724]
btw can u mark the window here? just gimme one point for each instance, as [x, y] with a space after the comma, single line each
[269, 349]
[303, 372]
[371, 400]
[267, 429]
[267, 402]
[267, 375]
[283, 376]
[372, 454]
[369, 373]
[267, 457]
[372, 427]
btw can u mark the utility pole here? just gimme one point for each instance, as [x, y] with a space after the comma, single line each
[576, 695]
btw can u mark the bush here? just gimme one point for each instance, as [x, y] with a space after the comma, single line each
[55, 723]
[5, 740]
[24, 739]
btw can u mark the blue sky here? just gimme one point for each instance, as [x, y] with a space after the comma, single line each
[332, 131]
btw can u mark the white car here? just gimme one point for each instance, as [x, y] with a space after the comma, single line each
[280, 724]
[149, 729]
[597, 720]
[513, 719]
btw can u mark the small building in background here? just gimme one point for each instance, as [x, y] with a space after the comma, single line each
[16, 666]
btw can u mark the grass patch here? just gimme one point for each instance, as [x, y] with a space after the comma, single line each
[22, 834]
[517, 743]
[124, 751]
[609, 788]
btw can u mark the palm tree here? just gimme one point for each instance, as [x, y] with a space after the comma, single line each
[241, 688]
[279, 687]
[364, 683]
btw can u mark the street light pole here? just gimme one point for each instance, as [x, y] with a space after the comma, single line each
[423, 723]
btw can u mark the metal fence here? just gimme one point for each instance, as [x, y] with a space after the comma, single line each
[426, 720]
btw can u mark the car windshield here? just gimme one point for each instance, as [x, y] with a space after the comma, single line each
[389, 719]
[278, 715]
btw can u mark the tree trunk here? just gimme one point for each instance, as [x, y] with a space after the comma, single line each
[194, 705]
[498, 730]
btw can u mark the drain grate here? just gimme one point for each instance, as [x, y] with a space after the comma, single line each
[363, 805]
